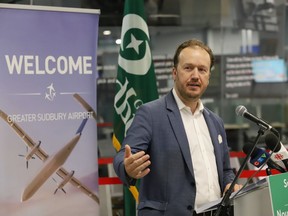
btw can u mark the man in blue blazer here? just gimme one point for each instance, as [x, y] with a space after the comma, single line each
[175, 145]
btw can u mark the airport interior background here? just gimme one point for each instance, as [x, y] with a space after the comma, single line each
[250, 42]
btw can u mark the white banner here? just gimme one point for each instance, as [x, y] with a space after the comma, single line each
[48, 139]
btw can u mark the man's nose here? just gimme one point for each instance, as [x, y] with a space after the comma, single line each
[195, 73]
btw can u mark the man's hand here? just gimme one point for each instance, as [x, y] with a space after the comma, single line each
[236, 187]
[136, 165]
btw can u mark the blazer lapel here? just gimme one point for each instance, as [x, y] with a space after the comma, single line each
[216, 140]
[179, 130]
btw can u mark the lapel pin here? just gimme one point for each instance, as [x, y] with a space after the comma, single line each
[220, 139]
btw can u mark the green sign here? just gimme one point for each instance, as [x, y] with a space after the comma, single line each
[278, 187]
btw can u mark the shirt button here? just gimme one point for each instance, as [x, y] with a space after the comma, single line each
[189, 207]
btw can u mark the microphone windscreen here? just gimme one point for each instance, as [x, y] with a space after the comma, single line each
[272, 142]
[240, 110]
[247, 149]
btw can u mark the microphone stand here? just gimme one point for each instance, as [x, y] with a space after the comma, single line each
[268, 171]
[225, 202]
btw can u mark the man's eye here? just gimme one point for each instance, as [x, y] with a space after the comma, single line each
[187, 68]
[203, 70]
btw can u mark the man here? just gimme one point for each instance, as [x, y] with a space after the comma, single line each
[175, 145]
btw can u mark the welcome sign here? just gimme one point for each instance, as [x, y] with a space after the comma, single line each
[47, 111]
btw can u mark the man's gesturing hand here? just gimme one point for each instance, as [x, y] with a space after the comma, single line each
[136, 165]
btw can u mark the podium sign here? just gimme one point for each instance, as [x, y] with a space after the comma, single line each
[278, 187]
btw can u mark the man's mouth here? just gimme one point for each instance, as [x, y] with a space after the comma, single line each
[194, 84]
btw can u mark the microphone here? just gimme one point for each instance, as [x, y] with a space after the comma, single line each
[279, 152]
[259, 157]
[242, 111]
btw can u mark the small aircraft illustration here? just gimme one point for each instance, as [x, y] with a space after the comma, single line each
[51, 92]
[64, 182]
[53, 163]
[30, 154]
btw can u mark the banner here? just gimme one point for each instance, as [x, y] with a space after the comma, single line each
[47, 107]
[136, 81]
[278, 188]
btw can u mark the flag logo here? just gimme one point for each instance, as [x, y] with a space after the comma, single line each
[135, 38]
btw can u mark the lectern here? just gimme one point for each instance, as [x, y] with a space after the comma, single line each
[256, 201]
[266, 197]
[252, 200]
[269, 198]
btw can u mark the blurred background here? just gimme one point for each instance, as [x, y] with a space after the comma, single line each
[248, 37]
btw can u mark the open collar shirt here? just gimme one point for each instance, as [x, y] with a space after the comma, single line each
[201, 151]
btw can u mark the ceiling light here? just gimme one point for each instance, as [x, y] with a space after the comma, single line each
[118, 41]
[106, 32]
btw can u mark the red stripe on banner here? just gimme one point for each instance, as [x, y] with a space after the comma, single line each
[261, 173]
[237, 154]
[244, 174]
[104, 124]
[111, 180]
[102, 161]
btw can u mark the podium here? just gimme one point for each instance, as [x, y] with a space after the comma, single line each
[267, 197]
[256, 201]
[252, 200]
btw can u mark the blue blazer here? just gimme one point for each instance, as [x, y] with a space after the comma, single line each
[169, 189]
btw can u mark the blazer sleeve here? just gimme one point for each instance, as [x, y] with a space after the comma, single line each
[138, 138]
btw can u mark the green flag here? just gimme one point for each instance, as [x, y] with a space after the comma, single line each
[135, 83]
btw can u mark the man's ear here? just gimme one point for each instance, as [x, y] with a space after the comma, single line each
[174, 73]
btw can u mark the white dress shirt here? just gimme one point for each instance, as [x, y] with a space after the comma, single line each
[202, 153]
